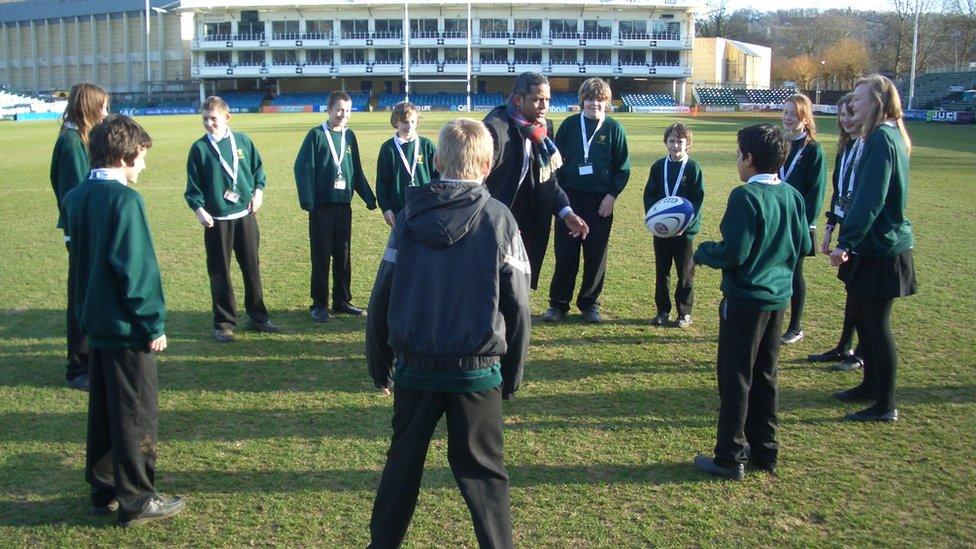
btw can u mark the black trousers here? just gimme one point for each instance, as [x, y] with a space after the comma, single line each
[240, 236]
[675, 251]
[77, 343]
[799, 297]
[329, 236]
[872, 319]
[748, 351]
[474, 450]
[567, 250]
[123, 414]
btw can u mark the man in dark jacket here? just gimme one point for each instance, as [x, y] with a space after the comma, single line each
[449, 325]
[524, 166]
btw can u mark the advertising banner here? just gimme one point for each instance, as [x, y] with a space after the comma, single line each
[659, 110]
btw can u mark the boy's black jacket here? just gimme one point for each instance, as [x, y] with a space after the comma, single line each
[451, 294]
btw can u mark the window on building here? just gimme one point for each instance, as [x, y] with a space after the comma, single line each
[666, 58]
[528, 56]
[423, 28]
[494, 28]
[284, 57]
[455, 28]
[597, 29]
[320, 57]
[388, 28]
[318, 30]
[353, 57]
[216, 31]
[388, 56]
[217, 58]
[250, 26]
[592, 56]
[423, 56]
[666, 30]
[284, 30]
[355, 28]
[455, 56]
[528, 28]
[632, 57]
[250, 58]
[563, 28]
[493, 56]
[633, 30]
[561, 56]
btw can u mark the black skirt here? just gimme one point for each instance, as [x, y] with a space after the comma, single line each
[879, 277]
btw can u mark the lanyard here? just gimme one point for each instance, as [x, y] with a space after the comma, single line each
[588, 142]
[231, 171]
[677, 183]
[785, 176]
[336, 157]
[852, 162]
[403, 158]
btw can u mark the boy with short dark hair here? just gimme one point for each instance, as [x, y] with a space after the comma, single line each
[405, 160]
[764, 234]
[449, 325]
[225, 188]
[120, 304]
[675, 175]
[327, 170]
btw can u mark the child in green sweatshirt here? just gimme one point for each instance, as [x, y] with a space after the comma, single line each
[406, 160]
[764, 234]
[225, 188]
[120, 304]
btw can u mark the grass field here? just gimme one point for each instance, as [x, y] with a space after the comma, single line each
[281, 439]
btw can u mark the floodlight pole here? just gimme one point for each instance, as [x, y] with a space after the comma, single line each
[406, 50]
[148, 70]
[911, 80]
[468, 79]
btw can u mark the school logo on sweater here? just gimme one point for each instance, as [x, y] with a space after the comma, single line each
[240, 153]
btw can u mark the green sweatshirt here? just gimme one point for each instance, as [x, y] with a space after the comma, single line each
[118, 291]
[875, 224]
[207, 180]
[315, 171]
[392, 177]
[608, 155]
[764, 234]
[691, 187]
[69, 166]
[809, 176]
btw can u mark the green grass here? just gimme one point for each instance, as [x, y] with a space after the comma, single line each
[280, 439]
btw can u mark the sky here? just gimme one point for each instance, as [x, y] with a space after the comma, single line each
[772, 5]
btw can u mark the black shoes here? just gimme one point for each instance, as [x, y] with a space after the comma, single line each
[707, 464]
[159, 507]
[764, 466]
[791, 337]
[830, 356]
[223, 335]
[266, 327]
[79, 382]
[683, 321]
[660, 320]
[105, 510]
[554, 315]
[871, 414]
[857, 394]
[592, 316]
[848, 363]
[319, 314]
[348, 309]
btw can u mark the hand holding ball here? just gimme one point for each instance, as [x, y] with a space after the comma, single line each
[669, 216]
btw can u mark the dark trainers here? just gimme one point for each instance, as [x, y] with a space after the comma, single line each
[223, 335]
[871, 414]
[683, 321]
[79, 382]
[105, 510]
[348, 309]
[660, 320]
[829, 356]
[592, 316]
[848, 363]
[707, 464]
[319, 314]
[266, 327]
[159, 507]
[792, 336]
[554, 315]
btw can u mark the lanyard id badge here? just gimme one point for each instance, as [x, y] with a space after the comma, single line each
[668, 191]
[586, 167]
[337, 157]
[231, 194]
[411, 169]
[849, 164]
[786, 175]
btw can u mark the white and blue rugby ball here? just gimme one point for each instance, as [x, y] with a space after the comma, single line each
[669, 216]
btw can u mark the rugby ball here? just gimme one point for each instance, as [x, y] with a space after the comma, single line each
[669, 216]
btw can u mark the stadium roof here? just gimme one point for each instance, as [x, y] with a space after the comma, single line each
[232, 4]
[33, 10]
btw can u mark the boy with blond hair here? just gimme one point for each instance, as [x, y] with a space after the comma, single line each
[405, 160]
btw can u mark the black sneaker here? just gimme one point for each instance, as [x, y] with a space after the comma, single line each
[79, 382]
[266, 327]
[159, 507]
[223, 335]
[348, 309]
[830, 356]
[848, 364]
[319, 314]
[707, 464]
[791, 336]
[592, 316]
[554, 315]
[660, 320]
[105, 510]
[870, 414]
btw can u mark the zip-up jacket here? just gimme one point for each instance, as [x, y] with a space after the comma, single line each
[449, 309]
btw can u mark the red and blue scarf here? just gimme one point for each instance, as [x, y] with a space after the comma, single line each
[543, 148]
